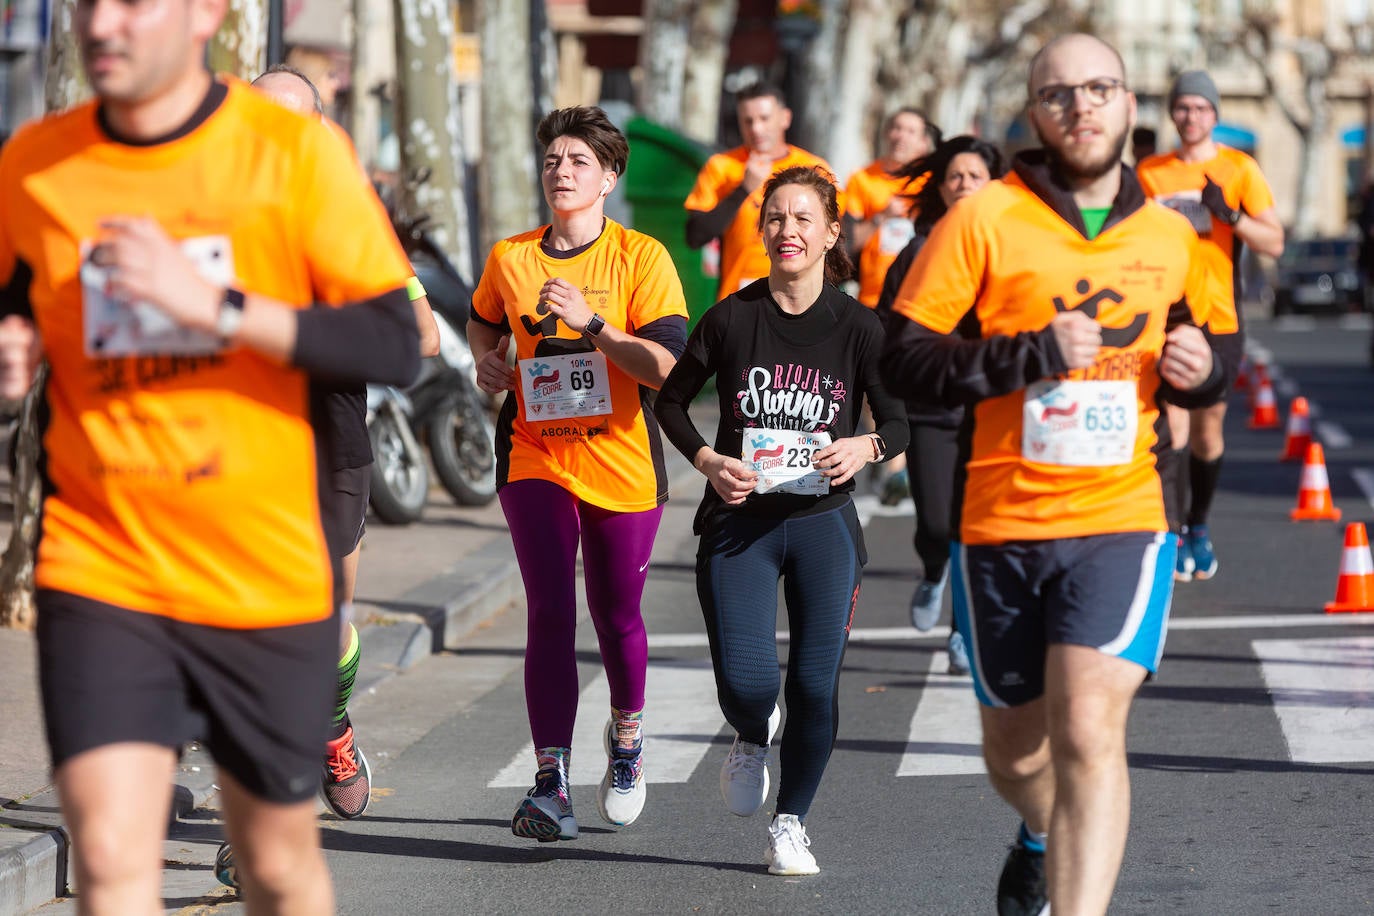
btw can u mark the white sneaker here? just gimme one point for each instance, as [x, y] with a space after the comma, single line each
[744, 775]
[787, 848]
[621, 797]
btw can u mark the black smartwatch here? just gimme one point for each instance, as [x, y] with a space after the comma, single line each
[595, 325]
[230, 314]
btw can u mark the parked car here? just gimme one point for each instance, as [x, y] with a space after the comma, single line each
[1321, 275]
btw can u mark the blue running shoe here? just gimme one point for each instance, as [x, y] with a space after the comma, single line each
[958, 654]
[546, 814]
[896, 488]
[1204, 557]
[1184, 565]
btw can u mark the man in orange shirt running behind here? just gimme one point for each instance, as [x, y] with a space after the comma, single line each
[1224, 195]
[877, 211]
[728, 195]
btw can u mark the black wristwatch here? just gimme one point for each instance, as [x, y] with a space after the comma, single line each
[595, 325]
[230, 314]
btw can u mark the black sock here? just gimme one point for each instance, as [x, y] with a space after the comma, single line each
[1174, 480]
[1202, 477]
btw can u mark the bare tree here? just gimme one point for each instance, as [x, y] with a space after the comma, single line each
[708, 41]
[506, 174]
[813, 111]
[427, 120]
[240, 45]
[663, 56]
[871, 24]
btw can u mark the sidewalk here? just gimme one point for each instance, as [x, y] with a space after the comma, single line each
[421, 589]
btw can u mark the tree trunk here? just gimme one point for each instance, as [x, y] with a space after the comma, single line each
[427, 122]
[850, 135]
[65, 83]
[708, 41]
[240, 45]
[508, 180]
[812, 110]
[373, 47]
[663, 59]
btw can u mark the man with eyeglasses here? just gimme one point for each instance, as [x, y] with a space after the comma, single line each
[1058, 304]
[1223, 193]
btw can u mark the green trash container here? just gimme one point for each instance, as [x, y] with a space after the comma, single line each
[663, 167]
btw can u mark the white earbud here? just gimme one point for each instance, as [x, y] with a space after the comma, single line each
[605, 187]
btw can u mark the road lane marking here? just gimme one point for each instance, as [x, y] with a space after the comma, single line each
[939, 634]
[681, 721]
[1295, 323]
[869, 506]
[1358, 321]
[1332, 434]
[946, 735]
[1364, 478]
[1323, 694]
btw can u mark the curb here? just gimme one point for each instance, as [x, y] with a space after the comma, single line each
[33, 868]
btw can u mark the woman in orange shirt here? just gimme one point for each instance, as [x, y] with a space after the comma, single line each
[598, 317]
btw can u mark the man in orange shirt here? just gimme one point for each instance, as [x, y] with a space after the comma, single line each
[1058, 304]
[1224, 195]
[725, 202]
[877, 212]
[185, 584]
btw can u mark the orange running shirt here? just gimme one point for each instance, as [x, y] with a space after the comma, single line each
[743, 258]
[1178, 184]
[1008, 257]
[612, 460]
[180, 485]
[867, 194]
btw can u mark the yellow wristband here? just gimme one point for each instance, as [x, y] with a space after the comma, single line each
[414, 288]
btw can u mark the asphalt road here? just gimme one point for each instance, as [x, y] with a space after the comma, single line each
[1251, 753]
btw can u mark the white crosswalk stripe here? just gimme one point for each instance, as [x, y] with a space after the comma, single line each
[681, 720]
[1323, 695]
[946, 738]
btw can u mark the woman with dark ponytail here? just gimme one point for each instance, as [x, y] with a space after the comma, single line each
[958, 168]
[793, 358]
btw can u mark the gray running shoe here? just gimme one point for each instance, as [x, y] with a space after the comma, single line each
[926, 602]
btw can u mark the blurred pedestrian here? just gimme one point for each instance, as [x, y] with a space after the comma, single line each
[597, 316]
[1144, 144]
[725, 202]
[958, 168]
[792, 358]
[1224, 195]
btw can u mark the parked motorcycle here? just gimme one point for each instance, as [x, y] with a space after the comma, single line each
[400, 474]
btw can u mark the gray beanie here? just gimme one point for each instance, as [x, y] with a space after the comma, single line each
[1196, 82]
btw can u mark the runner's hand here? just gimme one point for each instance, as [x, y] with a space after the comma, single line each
[843, 458]
[1214, 199]
[1079, 338]
[563, 299]
[493, 374]
[1187, 358]
[20, 350]
[757, 169]
[732, 481]
[147, 265]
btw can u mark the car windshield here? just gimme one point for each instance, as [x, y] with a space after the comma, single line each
[1296, 253]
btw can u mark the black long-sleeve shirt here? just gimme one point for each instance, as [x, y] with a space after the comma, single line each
[774, 370]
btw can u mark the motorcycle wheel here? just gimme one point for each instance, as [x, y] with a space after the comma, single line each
[460, 437]
[400, 479]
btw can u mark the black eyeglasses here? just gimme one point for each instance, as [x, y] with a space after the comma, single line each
[1056, 99]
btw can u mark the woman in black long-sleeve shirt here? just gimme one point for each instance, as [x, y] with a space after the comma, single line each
[792, 358]
[958, 168]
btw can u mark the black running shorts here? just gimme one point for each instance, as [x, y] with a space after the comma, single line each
[343, 509]
[259, 700]
[1110, 592]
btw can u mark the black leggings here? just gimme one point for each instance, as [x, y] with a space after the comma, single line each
[819, 558]
[930, 459]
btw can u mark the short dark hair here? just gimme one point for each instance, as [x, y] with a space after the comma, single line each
[838, 266]
[1144, 136]
[287, 68]
[758, 90]
[933, 132]
[590, 125]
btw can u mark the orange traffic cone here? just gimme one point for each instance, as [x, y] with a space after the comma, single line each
[1299, 431]
[1261, 378]
[1266, 409]
[1355, 586]
[1243, 376]
[1314, 493]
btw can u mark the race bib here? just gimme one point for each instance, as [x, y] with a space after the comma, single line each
[114, 327]
[1080, 424]
[894, 235]
[559, 387]
[1189, 203]
[782, 459]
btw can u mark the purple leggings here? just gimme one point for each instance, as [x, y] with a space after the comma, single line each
[545, 523]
